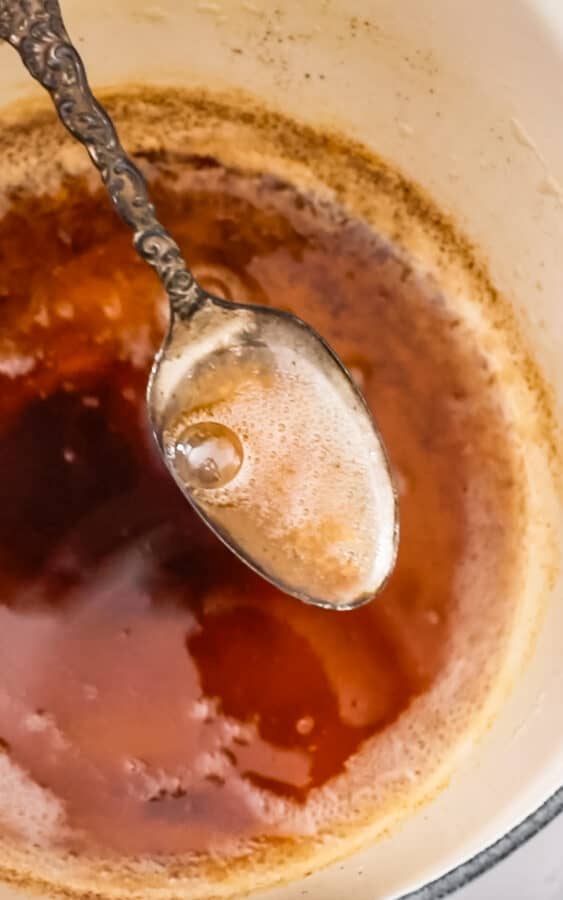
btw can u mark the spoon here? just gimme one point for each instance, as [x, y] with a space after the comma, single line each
[258, 421]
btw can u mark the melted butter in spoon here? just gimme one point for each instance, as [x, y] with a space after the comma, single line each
[277, 460]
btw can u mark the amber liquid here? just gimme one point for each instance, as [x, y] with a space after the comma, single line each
[148, 679]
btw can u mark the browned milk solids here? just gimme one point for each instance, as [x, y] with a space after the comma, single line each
[156, 697]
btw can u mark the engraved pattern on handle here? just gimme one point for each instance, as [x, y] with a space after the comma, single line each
[36, 30]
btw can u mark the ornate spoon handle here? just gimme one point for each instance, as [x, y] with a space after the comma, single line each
[36, 30]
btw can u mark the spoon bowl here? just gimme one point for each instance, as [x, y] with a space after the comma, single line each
[308, 501]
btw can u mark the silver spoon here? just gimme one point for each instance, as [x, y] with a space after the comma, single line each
[258, 421]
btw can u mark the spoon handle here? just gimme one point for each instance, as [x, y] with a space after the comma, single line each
[36, 30]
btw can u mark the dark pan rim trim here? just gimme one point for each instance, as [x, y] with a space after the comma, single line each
[463, 874]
